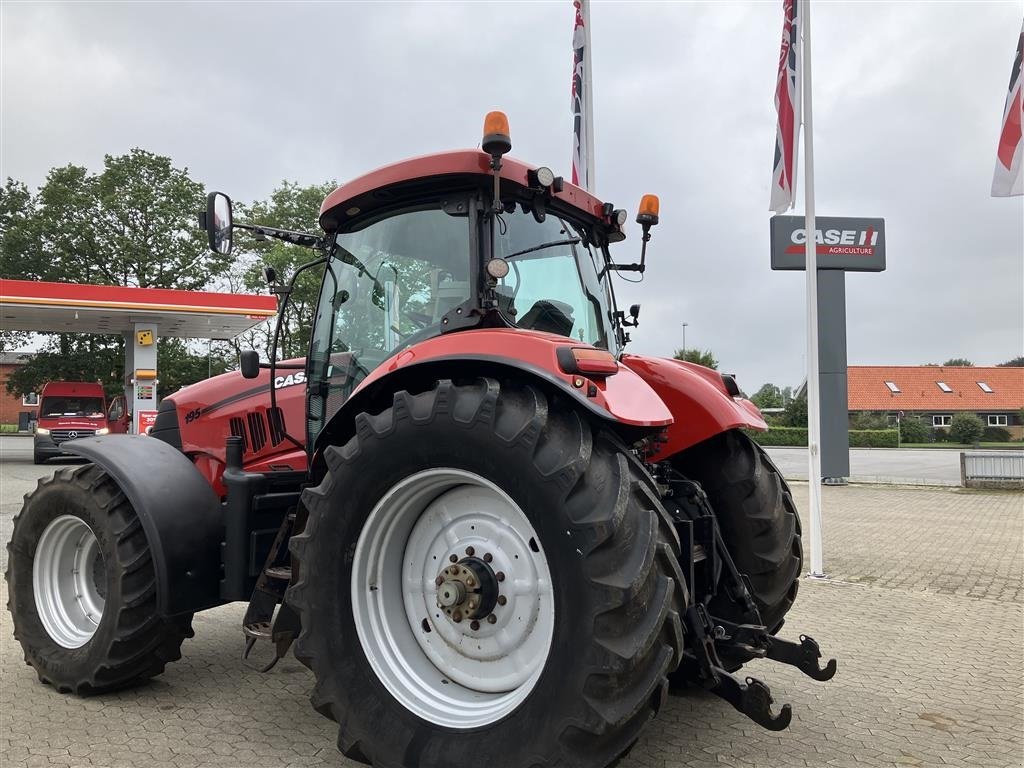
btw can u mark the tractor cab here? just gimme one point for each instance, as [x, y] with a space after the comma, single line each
[456, 241]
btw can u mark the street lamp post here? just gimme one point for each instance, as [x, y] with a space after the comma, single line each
[684, 338]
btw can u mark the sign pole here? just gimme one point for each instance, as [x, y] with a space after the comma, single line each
[588, 99]
[811, 266]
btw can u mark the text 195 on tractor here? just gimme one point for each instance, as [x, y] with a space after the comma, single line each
[494, 536]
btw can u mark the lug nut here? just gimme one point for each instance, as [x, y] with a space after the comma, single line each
[438, 581]
[457, 616]
[491, 619]
[471, 582]
[475, 625]
[470, 551]
[500, 575]
[502, 599]
[487, 557]
[453, 559]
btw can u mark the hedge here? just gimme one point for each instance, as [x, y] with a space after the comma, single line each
[797, 436]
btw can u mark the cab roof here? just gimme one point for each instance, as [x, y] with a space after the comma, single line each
[339, 205]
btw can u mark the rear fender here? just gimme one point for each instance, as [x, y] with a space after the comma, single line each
[623, 400]
[697, 396]
[178, 510]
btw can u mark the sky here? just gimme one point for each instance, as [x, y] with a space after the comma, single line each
[908, 99]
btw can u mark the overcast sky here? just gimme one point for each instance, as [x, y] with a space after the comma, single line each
[907, 107]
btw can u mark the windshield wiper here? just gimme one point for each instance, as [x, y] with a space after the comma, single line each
[542, 246]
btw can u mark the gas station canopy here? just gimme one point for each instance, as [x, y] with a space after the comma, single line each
[107, 309]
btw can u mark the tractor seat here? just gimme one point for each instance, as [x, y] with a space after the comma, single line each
[549, 316]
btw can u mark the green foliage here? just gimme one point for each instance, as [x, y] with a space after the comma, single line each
[966, 428]
[697, 356]
[958, 362]
[1017, 362]
[768, 396]
[915, 430]
[88, 361]
[869, 420]
[796, 411]
[995, 435]
[181, 366]
[797, 436]
[941, 435]
[294, 207]
[873, 438]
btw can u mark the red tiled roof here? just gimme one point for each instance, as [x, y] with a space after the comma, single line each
[919, 390]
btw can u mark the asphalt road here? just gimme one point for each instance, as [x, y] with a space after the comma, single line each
[934, 466]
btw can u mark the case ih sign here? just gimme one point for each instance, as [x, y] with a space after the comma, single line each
[853, 244]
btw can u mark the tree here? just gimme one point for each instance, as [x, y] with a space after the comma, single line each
[1017, 362]
[132, 224]
[295, 207]
[697, 356]
[768, 396]
[958, 362]
[966, 428]
[914, 430]
[796, 410]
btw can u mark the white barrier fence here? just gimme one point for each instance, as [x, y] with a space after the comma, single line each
[992, 469]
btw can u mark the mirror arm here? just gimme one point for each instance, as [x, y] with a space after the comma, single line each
[295, 238]
[641, 267]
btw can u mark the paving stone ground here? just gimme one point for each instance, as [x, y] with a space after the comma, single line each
[924, 611]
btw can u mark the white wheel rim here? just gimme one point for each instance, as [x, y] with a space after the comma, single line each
[65, 572]
[452, 675]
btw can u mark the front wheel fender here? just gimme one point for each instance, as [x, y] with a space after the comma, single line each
[178, 511]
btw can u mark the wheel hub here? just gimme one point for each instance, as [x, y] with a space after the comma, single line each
[468, 589]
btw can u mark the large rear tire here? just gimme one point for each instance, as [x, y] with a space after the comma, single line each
[469, 481]
[82, 587]
[757, 518]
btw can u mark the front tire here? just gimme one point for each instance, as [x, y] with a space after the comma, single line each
[505, 480]
[82, 587]
[758, 520]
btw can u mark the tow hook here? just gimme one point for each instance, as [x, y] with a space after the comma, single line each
[753, 699]
[803, 656]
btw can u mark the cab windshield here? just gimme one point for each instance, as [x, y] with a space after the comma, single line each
[386, 286]
[552, 284]
[91, 407]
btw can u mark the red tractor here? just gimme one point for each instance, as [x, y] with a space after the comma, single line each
[493, 534]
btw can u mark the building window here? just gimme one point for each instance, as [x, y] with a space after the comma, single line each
[941, 421]
[984, 387]
[892, 387]
[997, 420]
[32, 398]
[944, 386]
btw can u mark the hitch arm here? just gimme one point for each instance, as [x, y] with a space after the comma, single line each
[803, 656]
[753, 699]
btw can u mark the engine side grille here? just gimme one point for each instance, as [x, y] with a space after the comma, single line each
[238, 430]
[257, 430]
[275, 417]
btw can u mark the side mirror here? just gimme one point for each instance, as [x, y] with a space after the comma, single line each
[218, 222]
[249, 363]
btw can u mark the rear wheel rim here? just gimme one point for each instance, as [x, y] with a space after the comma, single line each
[457, 672]
[68, 581]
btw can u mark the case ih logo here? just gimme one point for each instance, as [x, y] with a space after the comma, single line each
[856, 245]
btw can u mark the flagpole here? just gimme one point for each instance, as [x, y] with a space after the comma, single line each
[588, 96]
[813, 397]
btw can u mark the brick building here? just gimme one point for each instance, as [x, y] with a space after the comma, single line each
[935, 393]
[13, 405]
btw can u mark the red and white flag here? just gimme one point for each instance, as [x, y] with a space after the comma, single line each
[1009, 179]
[787, 104]
[581, 108]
